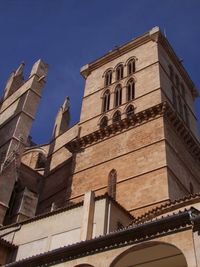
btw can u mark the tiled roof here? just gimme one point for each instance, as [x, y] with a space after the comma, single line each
[7, 244]
[65, 208]
[169, 206]
[124, 237]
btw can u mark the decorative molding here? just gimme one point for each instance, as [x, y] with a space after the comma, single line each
[163, 109]
[77, 144]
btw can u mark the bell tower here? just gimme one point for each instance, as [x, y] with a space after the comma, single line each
[138, 118]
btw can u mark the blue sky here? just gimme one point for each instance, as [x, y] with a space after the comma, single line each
[67, 34]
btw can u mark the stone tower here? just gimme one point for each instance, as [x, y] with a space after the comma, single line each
[17, 112]
[137, 121]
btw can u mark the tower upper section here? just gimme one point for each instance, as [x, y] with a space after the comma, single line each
[133, 77]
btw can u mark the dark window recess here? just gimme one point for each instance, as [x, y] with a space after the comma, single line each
[106, 101]
[117, 116]
[119, 72]
[131, 66]
[104, 122]
[108, 78]
[40, 161]
[130, 90]
[118, 96]
[130, 111]
[112, 180]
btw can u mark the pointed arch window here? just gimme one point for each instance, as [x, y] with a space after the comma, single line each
[118, 96]
[131, 67]
[130, 111]
[130, 90]
[106, 101]
[108, 78]
[104, 122]
[112, 181]
[117, 116]
[119, 72]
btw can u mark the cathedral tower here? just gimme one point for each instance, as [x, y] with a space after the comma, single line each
[137, 121]
[17, 112]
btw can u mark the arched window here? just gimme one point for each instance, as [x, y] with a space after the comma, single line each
[117, 116]
[131, 67]
[130, 90]
[106, 101]
[108, 78]
[119, 72]
[130, 111]
[118, 96]
[112, 181]
[104, 122]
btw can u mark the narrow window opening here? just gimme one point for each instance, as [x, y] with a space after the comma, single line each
[106, 101]
[117, 116]
[104, 122]
[130, 111]
[108, 78]
[130, 90]
[131, 66]
[112, 181]
[118, 96]
[119, 72]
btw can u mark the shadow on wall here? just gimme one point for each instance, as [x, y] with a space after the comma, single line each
[151, 254]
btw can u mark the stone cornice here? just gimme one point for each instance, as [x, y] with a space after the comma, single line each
[151, 35]
[184, 133]
[162, 109]
[154, 35]
[79, 143]
[113, 54]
